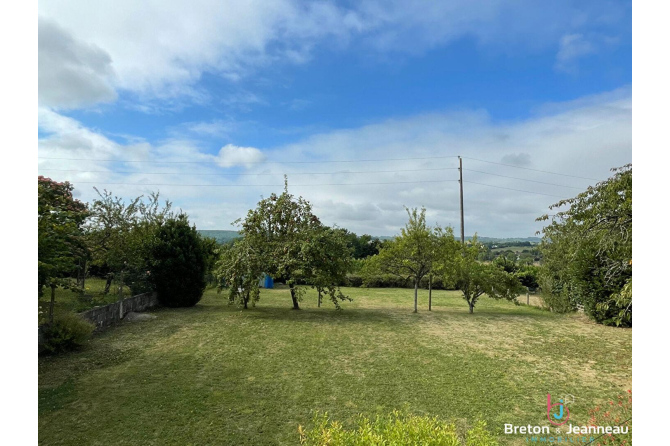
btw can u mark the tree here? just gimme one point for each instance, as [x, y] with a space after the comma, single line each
[59, 235]
[475, 279]
[284, 232]
[327, 261]
[587, 249]
[413, 254]
[240, 268]
[178, 263]
[118, 235]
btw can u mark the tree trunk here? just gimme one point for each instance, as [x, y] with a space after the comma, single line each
[319, 304]
[51, 304]
[430, 293]
[294, 298]
[108, 285]
[246, 299]
[416, 295]
[472, 306]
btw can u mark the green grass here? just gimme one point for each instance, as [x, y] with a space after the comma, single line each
[214, 374]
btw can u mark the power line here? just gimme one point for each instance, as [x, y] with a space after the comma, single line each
[517, 190]
[528, 168]
[252, 162]
[524, 179]
[248, 174]
[261, 185]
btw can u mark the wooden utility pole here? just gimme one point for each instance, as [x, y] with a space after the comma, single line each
[460, 170]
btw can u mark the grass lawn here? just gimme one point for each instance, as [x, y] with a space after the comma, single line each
[214, 374]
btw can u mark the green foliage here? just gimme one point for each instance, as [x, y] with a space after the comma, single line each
[293, 245]
[362, 246]
[239, 268]
[67, 332]
[394, 429]
[119, 235]
[623, 301]
[415, 253]
[178, 263]
[475, 279]
[59, 232]
[327, 261]
[587, 249]
[529, 276]
[558, 302]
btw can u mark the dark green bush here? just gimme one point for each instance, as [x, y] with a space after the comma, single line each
[385, 281]
[68, 332]
[529, 277]
[438, 284]
[178, 263]
[354, 280]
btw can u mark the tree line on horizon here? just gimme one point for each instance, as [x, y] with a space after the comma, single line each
[586, 251]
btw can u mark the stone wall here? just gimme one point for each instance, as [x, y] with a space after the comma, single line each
[103, 317]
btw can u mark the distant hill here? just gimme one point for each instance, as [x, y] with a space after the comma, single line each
[507, 240]
[481, 239]
[220, 236]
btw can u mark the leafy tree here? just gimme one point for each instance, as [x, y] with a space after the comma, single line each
[413, 254]
[475, 279]
[587, 249]
[178, 263]
[327, 261]
[59, 235]
[119, 233]
[281, 229]
[239, 268]
[528, 275]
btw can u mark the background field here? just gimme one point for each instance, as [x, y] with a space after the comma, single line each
[214, 374]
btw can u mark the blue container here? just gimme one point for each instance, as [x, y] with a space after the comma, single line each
[269, 282]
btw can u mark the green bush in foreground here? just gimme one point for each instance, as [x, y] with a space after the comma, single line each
[67, 332]
[178, 263]
[395, 429]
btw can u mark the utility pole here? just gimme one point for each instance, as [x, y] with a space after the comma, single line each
[460, 170]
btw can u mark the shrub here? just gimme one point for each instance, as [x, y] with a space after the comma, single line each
[529, 277]
[178, 259]
[385, 281]
[396, 428]
[613, 413]
[67, 332]
[558, 303]
[438, 283]
[556, 296]
[354, 280]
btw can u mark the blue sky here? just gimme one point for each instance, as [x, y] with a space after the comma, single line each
[199, 92]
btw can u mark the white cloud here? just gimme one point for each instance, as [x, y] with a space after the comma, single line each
[161, 49]
[572, 48]
[231, 155]
[71, 73]
[584, 138]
